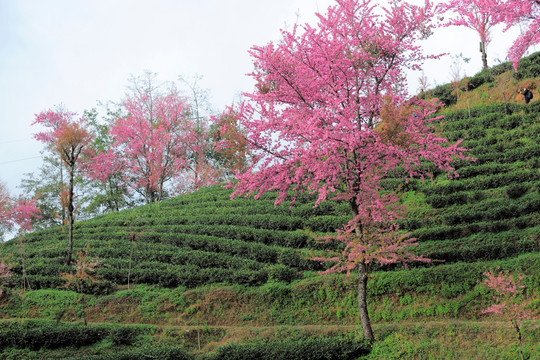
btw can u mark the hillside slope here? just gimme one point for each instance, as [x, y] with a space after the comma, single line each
[492, 211]
[226, 269]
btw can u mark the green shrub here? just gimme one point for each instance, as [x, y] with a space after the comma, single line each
[515, 191]
[334, 348]
[124, 335]
[326, 223]
[281, 272]
[442, 92]
[529, 67]
[36, 335]
[144, 353]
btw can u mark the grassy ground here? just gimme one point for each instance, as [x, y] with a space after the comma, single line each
[452, 339]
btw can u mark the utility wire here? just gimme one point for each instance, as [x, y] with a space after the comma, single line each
[12, 161]
[14, 141]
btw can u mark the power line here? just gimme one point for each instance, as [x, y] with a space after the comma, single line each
[14, 141]
[12, 161]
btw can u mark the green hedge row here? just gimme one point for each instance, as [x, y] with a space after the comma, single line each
[466, 275]
[495, 140]
[446, 232]
[264, 221]
[489, 209]
[447, 187]
[177, 257]
[177, 248]
[529, 67]
[249, 250]
[327, 223]
[332, 348]
[264, 236]
[482, 246]
[458, 198]
[508, 154]
[42, 334]
[293, 239]
[484, 169]
[495, 143]
[143, 353]
[252, 215]
[189, 276]
[481, 133]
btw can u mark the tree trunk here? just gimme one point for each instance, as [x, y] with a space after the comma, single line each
[70, 219]
[62, 187]
[362, 285]
[516, 326]
[362, 302]
[484, 55]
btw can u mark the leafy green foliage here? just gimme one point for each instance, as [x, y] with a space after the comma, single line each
[337, 348]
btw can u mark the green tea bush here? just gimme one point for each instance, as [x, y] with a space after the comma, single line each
[442, 92]
[146, 352]
[529, 67]
[333, 348]
[124, 335]
[326, 223]
[293, 259]
[251, 278]
[481, 247]
[36, 335]
[281, 272]
[44, 282]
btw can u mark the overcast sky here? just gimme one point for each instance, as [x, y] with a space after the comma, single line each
[79, 52]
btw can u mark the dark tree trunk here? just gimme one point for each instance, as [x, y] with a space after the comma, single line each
[362, 285]
[484, 55]
[70, 219]
[362, 302]
[516, 326]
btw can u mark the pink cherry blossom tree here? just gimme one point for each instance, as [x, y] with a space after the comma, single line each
[525, 13]
[507, 291]
[16, 215]
[315, 123]
[152, 144]
[67, 137]
[478, 15]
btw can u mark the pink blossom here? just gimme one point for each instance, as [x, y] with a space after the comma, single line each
[507, 292]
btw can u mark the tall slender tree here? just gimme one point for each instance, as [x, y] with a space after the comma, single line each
[67, 137]
[479, 15]
[46, 184]
[330, 115]
[201, 170]
[151, 143]
[105, 186]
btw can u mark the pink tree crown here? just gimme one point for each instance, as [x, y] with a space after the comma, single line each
[507, 296]
[319, 93]
[525, 13]
[19, 214]
[330, 115]
[61, 125]
[479, 15]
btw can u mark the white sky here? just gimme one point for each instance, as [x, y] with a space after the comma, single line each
[79, 52]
